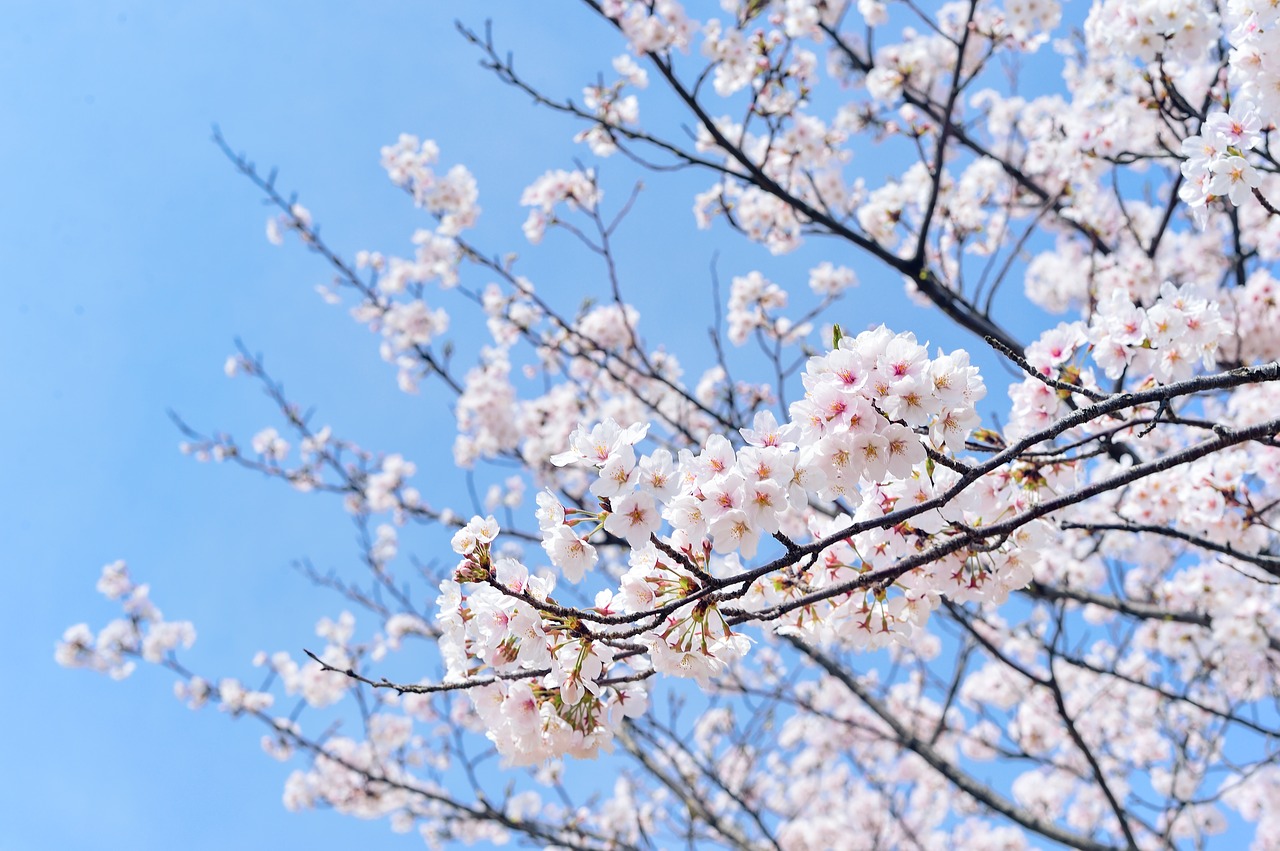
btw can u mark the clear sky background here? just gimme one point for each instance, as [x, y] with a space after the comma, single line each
[133, 255]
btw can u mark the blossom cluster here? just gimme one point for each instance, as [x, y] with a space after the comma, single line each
[575, 188]
[875, 407]
[857, 423]
[1256, 310]
[1220, 160]
[805, 159]
[393, 304]
[143, 632]
[490, 613]
[1165, 342]
[1181, 329]
[1254, 35]
[652, 27]
[452, 196]
[751, 299]
[1216, 164]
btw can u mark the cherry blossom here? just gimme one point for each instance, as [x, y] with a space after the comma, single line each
[1003, 583]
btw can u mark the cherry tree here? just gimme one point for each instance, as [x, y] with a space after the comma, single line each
[854, 599]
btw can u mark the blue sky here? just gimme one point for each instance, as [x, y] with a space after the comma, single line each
[134, 256]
